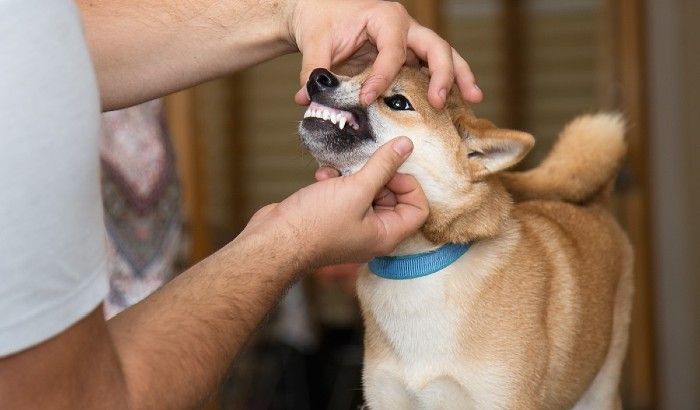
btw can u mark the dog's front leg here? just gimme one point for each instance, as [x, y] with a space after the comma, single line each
[384, 390]
[444, 393]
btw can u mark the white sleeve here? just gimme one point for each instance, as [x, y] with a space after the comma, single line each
[52, 237]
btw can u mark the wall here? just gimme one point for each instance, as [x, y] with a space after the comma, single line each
[674, 65]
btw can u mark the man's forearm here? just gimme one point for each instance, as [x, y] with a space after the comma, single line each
[144, 49]
[170, 350]
[176, 345]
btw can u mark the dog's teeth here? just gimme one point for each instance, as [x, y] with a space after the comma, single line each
[337, 117]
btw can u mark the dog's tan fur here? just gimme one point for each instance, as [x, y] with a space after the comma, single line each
[535, 314]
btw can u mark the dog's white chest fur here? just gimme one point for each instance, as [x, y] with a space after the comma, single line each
[428, 367]
[420, 328]
[414, 316]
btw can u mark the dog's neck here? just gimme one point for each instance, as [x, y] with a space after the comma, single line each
[414, 244]
[473, 220]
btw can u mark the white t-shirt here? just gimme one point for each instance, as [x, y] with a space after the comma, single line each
[52, 237]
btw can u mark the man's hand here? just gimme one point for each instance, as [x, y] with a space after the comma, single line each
[337, 220]
[330, 32]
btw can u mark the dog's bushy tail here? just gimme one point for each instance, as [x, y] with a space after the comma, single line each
[581, 166]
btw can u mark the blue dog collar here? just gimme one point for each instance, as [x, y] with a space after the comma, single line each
[420, 264]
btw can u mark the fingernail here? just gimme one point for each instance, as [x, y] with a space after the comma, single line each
[443, 94]
[403, 146]
[476, 87]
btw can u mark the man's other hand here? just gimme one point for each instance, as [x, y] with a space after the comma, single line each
[333, 32]
[337, 219]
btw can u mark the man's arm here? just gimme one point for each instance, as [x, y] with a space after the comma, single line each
[171, 349]
[143, 49]
[168, 351]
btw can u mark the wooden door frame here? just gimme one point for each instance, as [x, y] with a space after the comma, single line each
[186, 137]
[627, 25]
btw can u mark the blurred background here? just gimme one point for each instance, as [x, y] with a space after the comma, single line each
[540, 63]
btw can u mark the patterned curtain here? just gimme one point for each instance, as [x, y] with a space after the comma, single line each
[141, 197]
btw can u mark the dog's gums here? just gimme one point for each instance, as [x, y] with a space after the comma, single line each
[331, 114]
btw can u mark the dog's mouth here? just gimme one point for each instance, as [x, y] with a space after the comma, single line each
[341, 123]
[333, 134]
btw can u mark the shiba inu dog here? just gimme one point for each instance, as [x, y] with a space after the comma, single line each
[517, 291]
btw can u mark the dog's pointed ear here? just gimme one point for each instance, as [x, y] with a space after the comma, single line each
[491, 149]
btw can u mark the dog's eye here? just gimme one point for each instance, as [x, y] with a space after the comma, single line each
[398, 103]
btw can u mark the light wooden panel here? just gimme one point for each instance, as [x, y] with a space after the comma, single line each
[273, 164]
[474, 29]
[561, 69]
[537, 61]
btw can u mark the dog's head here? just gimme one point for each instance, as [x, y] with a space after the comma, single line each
[454, 157]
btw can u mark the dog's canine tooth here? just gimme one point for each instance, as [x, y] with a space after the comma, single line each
[341, 121]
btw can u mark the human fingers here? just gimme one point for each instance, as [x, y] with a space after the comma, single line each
[388, 30]
[385, 198]
[411, 59]
[323, 173]
[382, 166]
[409, 213]
[317, 54]
[465, 79]
[437, 53]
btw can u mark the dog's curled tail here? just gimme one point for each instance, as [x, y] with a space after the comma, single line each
[581, 166]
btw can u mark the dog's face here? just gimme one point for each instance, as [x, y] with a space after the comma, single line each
[453, 150]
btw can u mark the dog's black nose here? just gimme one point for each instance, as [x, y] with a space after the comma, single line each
[321, 80]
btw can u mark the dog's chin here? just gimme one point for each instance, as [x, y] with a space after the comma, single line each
[345, 150]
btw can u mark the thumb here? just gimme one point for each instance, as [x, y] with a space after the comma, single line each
[315, 56]
[383, 164]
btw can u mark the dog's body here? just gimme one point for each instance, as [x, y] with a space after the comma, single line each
[523, 320]
[535, 314]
